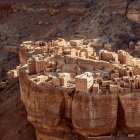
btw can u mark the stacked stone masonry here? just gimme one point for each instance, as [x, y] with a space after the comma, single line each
[69, 87]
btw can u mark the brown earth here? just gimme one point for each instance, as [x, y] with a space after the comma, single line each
[13, 122]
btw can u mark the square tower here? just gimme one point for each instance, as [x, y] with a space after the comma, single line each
[31, 66]
[40, 65]
[84, 82]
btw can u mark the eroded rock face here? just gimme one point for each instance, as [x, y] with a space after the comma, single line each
[49, 107]
[58, 113]
[45, 106]
[128, 8]
[118, 7]
[133, 11]
[130, 104]
[94, 115]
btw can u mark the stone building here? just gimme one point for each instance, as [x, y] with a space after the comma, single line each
[73, 52]
[96, 89]
[40, 64]
[125, 58]
[31, 66]
[62, 79]
[108, 56]
[59, 42]
[84, 82]
[75, 43]
[114, 89]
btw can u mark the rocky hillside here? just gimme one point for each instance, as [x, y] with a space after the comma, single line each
[14, 125]
[113, 21]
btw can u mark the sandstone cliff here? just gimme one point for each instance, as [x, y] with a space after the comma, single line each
[98, 113]
[60, 113]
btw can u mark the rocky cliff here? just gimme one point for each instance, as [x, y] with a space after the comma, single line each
[127, 8]
[61, 113]
[133, 11]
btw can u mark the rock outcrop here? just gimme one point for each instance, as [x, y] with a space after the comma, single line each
[130, 104]
[57, 114]
[46, 108]
[98, 113]
[133, 11]
[118, 7]
[128, 8]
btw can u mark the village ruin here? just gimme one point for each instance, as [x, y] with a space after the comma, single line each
[66, 78]
[73, 64]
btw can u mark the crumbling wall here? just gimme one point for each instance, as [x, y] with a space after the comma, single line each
[79, 65]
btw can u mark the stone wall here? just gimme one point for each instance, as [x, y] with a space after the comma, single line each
[80, 65]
